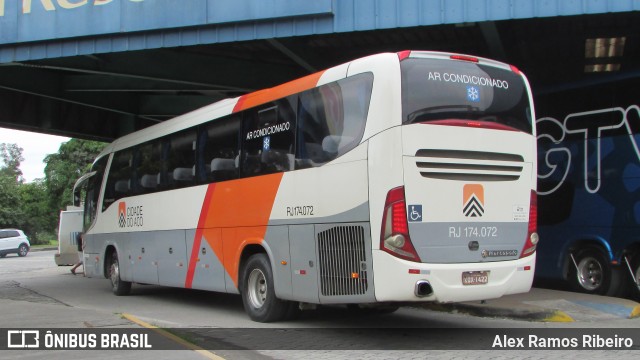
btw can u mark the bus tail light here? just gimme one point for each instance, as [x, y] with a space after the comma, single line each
[532, 235]
[394, 237]
[480, 124]
[465, 58]
[404, 54]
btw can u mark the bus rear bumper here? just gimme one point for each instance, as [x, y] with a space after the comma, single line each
[400, 280]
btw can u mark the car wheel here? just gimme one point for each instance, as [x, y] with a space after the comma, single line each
[23, 250]
[118, 286]
[258, 293]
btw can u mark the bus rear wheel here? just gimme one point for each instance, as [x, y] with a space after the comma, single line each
[258, 293]
[118, 286]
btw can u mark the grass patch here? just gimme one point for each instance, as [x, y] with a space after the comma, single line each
[51, 243]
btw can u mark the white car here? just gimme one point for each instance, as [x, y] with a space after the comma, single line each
[13, 241]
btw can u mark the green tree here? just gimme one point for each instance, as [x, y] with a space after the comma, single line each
[10, 213]
[11, 156]
[73, 159]
[10, 179]
[34, 206]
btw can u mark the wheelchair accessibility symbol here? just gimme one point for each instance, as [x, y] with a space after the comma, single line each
[415, 213]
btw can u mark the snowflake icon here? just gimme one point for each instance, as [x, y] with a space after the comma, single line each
[473, 94]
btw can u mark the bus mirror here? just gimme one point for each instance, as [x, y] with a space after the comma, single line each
[79, 186]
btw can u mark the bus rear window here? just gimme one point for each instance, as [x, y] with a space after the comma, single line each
[436, 89]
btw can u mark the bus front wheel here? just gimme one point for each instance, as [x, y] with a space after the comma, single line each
[258, 293]
[591, 273]
[635, 269]
[118, 286]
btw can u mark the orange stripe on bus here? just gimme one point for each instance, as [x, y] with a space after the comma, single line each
[193, 260]
[245, 202]
[235, 242]
[241, 208]
[264, 96]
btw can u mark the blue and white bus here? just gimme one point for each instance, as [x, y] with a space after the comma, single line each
[589, 200]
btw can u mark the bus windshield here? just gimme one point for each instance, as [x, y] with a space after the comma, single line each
[434, 90]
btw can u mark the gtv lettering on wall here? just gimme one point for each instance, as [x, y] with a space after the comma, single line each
[560, 157]
[50, 5]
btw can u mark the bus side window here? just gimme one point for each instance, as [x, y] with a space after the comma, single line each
[269, 138]
[119, 178]
[220, 147]
[181, 160]
[331, 119]
[148, 167]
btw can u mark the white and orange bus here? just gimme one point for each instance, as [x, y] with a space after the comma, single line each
[395, 178]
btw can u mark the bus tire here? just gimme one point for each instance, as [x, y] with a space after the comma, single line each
[593, 274]
[258, 293]
[118, 286]
[635, 268]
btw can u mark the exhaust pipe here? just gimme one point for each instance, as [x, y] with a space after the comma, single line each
[423, 288]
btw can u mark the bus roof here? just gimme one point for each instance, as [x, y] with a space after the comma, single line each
[229, 106]
[216, 110]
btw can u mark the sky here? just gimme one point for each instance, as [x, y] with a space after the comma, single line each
[35, 147]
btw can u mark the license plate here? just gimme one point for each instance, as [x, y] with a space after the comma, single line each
[475, 277]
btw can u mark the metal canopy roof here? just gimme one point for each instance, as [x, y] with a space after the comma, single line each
[105, 85]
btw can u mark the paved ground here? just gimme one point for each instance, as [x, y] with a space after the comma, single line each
[537, 313]
[551, 306]
[542, 305]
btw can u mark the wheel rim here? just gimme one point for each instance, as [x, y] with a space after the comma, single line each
[257, 288]
[23, 250]
[590, 273]
[115, 273]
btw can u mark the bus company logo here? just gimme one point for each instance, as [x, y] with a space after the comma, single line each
[122, 213]
[498, 253]
[473, 200]
[130, 216]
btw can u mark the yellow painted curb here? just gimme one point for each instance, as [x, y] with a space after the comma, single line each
[635, 313]
[173, 337]
[559, 316]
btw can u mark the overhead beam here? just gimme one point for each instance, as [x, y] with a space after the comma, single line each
[30, 112]
[48, 84]
[180, 67]
[166, 106]
[589, 80]
[110, 83]
[291, 55]
[493, 40]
